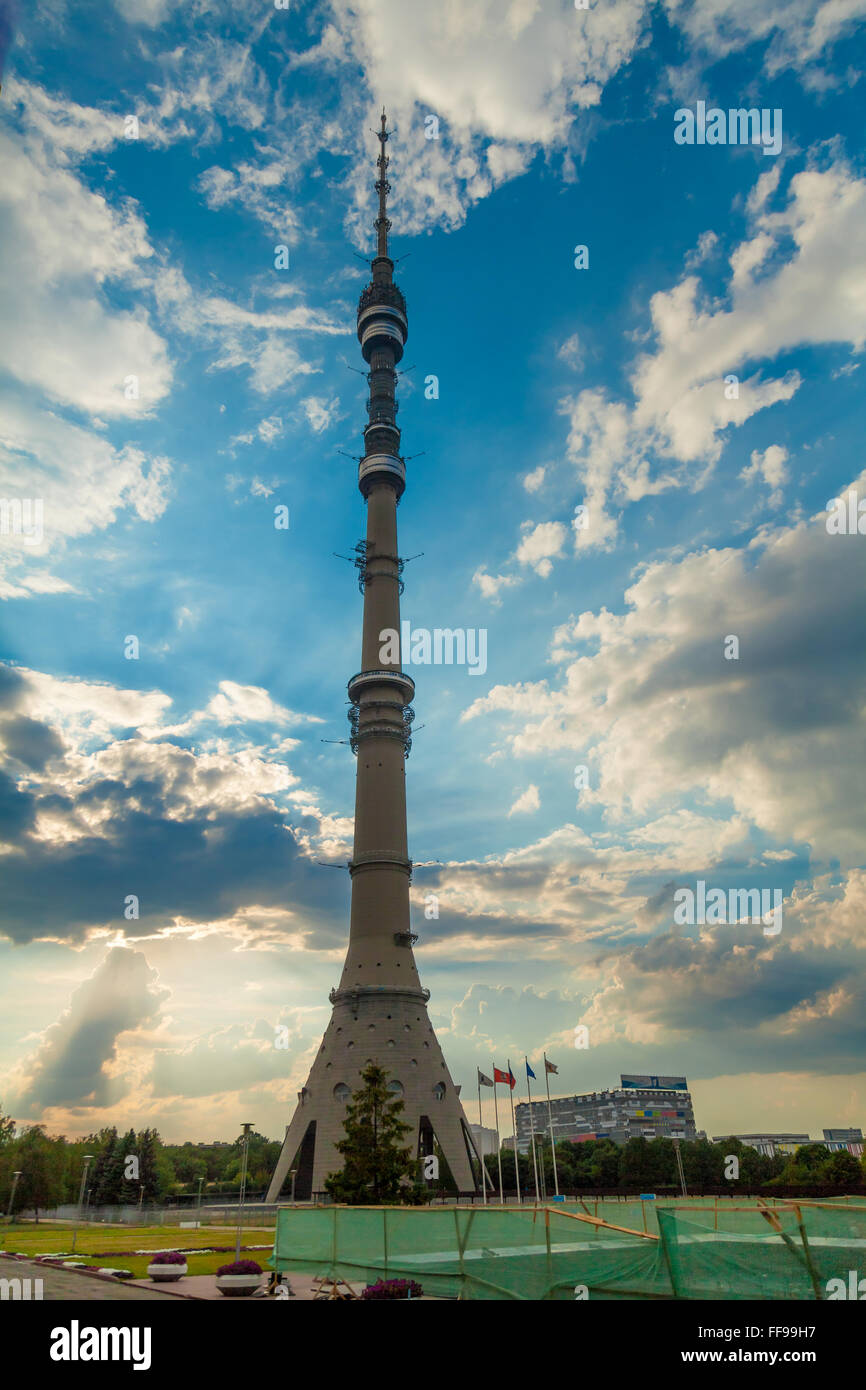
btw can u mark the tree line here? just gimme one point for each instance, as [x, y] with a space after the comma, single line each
[645, 1165]
[379, 1167]
[135, 1168]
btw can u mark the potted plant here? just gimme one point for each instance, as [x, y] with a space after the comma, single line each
[167, 1267]
[393, 1288]
[239, 1279]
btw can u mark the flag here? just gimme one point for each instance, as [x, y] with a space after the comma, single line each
[484, 1080]
[530, 1072]
[551, 1068]
[505, 1077]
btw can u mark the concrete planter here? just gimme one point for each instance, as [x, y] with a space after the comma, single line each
[166, 1274]
[238, 1285]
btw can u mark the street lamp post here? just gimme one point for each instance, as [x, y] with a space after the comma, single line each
[294, 1174]
[198, 1203]
[15, 1176]
[247, 1128]
[88, 1159]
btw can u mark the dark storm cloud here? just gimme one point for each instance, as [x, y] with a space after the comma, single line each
[780, 1005]
[30, 741]
[70, 1067]
[17, 810]
[200, 869]
[152, 840]
[13, 688]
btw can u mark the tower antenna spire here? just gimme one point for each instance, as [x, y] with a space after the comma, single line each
[383, 188]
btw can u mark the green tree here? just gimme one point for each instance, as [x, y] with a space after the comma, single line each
[377, 1167]
[805, 1167]
[604, 1162]
[841, 1169]
[189, 1165]
[661, 1162]
[7, 1129]
[157, 1172]
[636, 1169]
[40, 1160]
[7, 1159]
[128, 1188]
[703, 1163]
[103, 1176]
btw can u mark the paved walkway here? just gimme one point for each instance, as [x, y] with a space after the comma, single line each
[73, 1286]
[204, 1286]
[77, 1286]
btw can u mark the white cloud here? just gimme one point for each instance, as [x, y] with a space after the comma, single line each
[270, 429]
[328, 53]
[319, 412]
[63, 246]
[799, 30]
[148, 12]
[260, 189]
[514, 73]
[534, 480]
[265, 340]
[90, 708]
[540, 545]
[674, 432]
[234, 704]
[93, 485]
[262, 489]
[527, 802]
[490, 584]
[706, 247]
[769, 465]
[502, 81]
[571, 352]
[650, 695]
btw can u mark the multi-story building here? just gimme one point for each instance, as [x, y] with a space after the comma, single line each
[767, 1144]
[648, 1107]
[849, 1140]
[486, 1141]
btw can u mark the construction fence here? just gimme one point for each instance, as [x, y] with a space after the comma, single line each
[618, 1250]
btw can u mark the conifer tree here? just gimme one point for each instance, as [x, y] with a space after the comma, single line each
[377, 1168]
[103, 1145]
[128, 1189]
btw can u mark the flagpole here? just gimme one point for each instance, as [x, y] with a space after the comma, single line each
[498, 1140]
[481, 1141]
[531, 1129]
[550, 1124]
[514, 1135]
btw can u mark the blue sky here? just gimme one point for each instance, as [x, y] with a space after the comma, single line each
[195, 777]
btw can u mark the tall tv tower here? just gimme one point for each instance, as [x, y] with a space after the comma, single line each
[379, 1009]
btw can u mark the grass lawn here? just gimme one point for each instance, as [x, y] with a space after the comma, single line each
[104, 1244]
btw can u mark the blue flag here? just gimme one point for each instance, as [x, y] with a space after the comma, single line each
[529, 1071]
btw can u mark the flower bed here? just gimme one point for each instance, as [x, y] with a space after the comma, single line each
[167, 1267]
[240, 1279]
[392, 1288]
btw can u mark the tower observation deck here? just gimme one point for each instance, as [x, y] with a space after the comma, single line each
[379, 1007]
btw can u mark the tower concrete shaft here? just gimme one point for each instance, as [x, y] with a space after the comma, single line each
[379, 1008]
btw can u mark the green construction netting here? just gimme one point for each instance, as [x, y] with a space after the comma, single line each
[690, 1250]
